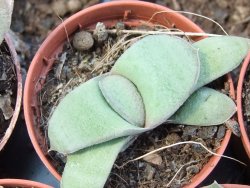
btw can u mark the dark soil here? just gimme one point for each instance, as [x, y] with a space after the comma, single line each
[246, 100]
[233, 15]
[7, 88]
[159, 169]
[34, 19]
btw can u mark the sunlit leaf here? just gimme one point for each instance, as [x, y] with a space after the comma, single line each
[164, 69]
[220, 55]
[84, 118]
[91, 167]
[204, 108]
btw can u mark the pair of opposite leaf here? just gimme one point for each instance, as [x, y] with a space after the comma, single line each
[145, 88]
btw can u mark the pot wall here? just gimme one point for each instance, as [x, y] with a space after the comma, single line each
[244, 136]
[22, 183]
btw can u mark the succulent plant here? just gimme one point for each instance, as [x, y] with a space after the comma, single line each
[158, 79]
[6, 7]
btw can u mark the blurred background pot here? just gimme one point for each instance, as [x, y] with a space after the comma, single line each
[18, 100]
[235, 186]
[21, 183]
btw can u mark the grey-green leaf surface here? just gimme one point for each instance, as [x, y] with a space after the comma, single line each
[124, 98]
[219, 55]
[91, 167]
[213, 185]
[83, 118]
[204, 108]
[164, 69]
[6, 7]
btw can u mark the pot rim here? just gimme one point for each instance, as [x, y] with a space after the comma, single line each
[235, 186]
[23, 183]
[18, 104]
[244, 136]
[196, 180]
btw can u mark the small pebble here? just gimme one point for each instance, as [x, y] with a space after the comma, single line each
[221, 132]
[198, 148]
[59, 7]
[189, 131]
[173, 138]
[207, 132]
[100, 32]
[74, 5]
[149, 172]
[193, 169]
[83, 41]
[5, 106]
[234, 127]
[154, 159]
[172, 166]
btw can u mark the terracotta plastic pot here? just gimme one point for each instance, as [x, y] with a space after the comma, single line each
[131, 12]
[244, 136]
[22, 183]
[13, 120]
[235, 186]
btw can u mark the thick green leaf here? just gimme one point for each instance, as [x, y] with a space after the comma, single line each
[124, 98]
[204, 108]
[84, 118]
[91, 167]
[220, 55]
[6, 7]
[165, 70]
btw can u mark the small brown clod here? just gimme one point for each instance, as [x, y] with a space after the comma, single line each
[83, 41]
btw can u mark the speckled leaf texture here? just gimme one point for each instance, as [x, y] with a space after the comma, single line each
[124, 98]
[91, 167]
[84, 118]
[205, 107]
[6, 7]
[220, 55]
[164, 69]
